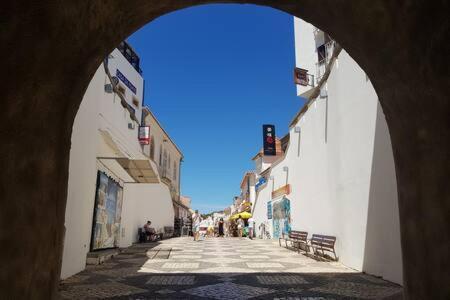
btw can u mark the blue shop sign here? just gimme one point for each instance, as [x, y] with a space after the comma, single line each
[260, 182]
[125, 81]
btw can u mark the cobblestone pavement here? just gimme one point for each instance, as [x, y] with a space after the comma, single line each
[222, 268]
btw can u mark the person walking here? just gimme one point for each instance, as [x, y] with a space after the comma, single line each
[240, 226]
[196, 219]
[221, 227]
[210, 230]
[250, 227]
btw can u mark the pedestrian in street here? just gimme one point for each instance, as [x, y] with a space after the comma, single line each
[250, 227]
[240, 225]
[210, 230]
[150, 232]
[221, 227]
[196, 219]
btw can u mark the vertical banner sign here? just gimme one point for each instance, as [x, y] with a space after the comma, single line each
[269, 140]
[144, 135]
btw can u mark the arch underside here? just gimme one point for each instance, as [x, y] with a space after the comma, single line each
[52, 49]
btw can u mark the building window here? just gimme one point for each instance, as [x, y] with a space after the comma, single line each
[160, 155]
[130, 55]
[152, 148]
[135, 102]
[121, 90]
[168, 165]
[174, 170]
[321, 54]
[164, 164]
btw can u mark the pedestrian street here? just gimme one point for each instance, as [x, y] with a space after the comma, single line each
[222, 268]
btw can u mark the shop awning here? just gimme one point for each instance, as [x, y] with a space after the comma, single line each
[135, 166]
[139, 169]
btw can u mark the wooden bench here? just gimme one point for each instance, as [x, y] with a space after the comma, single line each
[322, 243]
[299, 237]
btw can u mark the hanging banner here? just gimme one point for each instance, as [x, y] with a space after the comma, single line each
[269, 140]
[144, 135]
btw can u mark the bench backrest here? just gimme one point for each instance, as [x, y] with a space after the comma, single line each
[323, 241]
[298, 235]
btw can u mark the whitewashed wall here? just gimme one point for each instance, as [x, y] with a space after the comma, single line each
[102, 112]
[117, 61]
[144, 202]
[305, 56]
[343, 178]
[82, 181]
[382, 253]
[260, 208]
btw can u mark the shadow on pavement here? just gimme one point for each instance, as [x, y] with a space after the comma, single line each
[124, 277]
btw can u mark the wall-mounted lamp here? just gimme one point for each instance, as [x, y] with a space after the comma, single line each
[114, 80]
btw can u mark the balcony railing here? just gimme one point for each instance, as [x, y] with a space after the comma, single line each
[321, 65]
[130, 55]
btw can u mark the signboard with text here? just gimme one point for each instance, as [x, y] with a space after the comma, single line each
[269, 140]
[301, 76]
[144, 135]
[261, 181]
[126, 81]
[284, 190]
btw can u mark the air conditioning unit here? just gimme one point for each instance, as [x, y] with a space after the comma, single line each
[108, 88]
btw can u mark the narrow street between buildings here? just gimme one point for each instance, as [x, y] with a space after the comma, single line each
[222, 268]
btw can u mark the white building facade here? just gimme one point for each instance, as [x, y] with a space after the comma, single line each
[113, 188]
[337, 175]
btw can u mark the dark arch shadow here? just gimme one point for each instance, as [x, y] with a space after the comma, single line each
[51, 50]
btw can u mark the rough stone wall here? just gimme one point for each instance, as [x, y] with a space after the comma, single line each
[51, 49]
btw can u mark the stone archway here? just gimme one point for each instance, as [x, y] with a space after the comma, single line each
[50, 50]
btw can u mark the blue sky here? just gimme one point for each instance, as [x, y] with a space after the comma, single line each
[213, 75]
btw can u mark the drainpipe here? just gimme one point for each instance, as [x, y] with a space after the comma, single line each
[179, 179]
